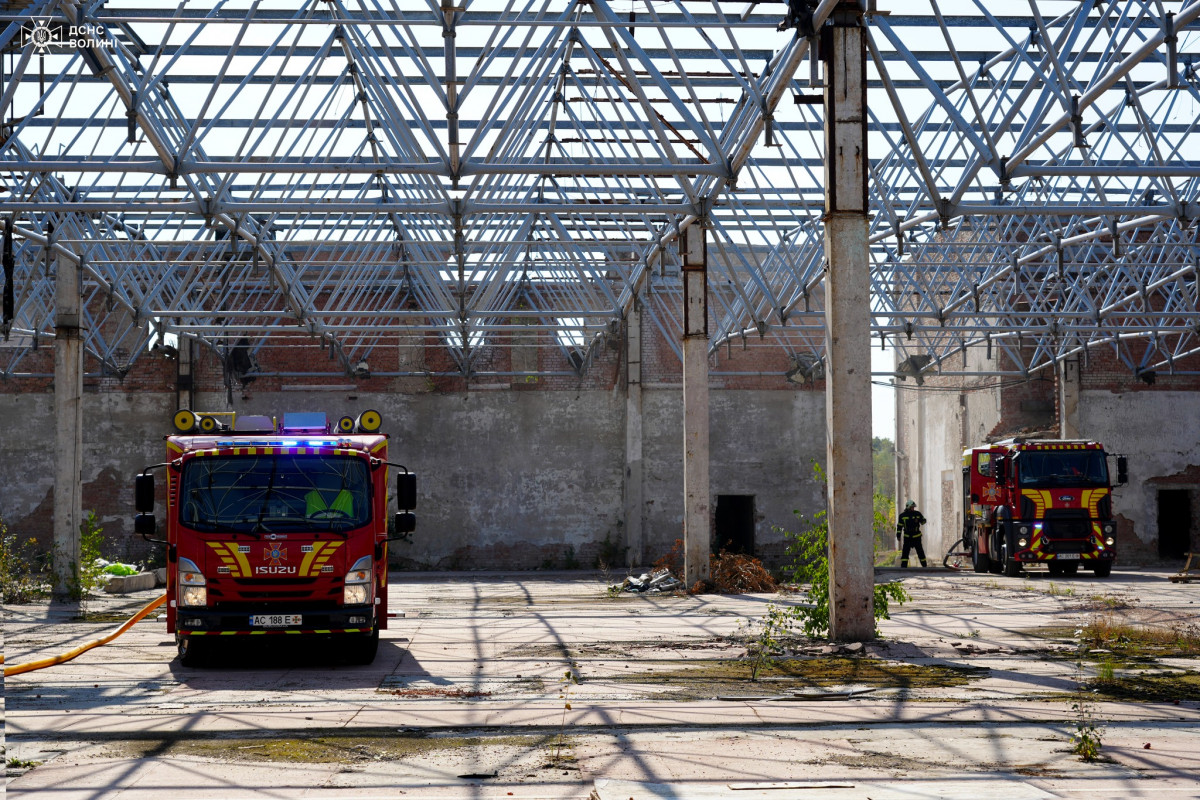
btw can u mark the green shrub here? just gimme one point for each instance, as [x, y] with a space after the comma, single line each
[808, 563]
[23, 576]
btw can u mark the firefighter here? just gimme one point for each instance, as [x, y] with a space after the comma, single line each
[908, 528]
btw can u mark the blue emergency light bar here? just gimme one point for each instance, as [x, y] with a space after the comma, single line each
[305, 422]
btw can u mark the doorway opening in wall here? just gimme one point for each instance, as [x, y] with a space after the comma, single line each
[735, 524]
[1174, 522]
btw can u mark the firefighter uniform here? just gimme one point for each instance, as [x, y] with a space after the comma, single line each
[908, 527]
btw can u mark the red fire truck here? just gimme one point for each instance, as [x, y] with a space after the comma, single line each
[276, 528]
[1039, 502]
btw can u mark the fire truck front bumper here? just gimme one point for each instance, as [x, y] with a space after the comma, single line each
[228, 622]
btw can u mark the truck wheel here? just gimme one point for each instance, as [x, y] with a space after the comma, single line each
[194, 651]
[979, 561]
[1012, 567]
[995, 565]
[363, 649]
[1103, 569]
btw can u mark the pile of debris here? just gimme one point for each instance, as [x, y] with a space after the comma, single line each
[659, 581]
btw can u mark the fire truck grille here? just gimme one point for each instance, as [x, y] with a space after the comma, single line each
[1073, 526]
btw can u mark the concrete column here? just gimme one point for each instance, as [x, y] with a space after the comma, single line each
[1068, 398]
[634, 504]
[68, 416]
[697, 519]
[847, 325]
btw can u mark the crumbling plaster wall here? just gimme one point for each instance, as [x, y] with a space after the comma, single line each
[762, 443]
[928, 431]
[1160, 433]
[506, 479]
[934, 424]
[122, 434]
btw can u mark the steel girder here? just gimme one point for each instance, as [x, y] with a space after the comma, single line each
[360, 172]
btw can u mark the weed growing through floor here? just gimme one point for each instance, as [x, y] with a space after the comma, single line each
[87, 572]
[22, 572]
[1060, 591]
[1106, 631]
[17, 763]
[568, 680]
[609, 553]
[765, 645]
[1086, 742]
[807, 551]
[1108, 602]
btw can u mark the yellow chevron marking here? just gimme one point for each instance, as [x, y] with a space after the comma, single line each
[239, 567]
[307, 564]
[313, 561]
[1040, 499]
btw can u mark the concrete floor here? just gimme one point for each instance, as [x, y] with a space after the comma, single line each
[467, 699]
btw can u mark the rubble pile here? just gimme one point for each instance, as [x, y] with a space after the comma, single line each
[661, 580]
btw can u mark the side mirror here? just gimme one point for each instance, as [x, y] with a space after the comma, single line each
[1122, 469]
[143, 494]
[406, 522]
[1000, 469]
[406, 492]
[145, 524]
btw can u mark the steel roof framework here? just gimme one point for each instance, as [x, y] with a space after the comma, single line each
[354, 172]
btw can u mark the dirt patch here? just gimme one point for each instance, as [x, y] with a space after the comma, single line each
[321, 749]
[883, 762]
[619, 650]
[437, 691]
[1165, 687]
[706, 677]
[116, 617]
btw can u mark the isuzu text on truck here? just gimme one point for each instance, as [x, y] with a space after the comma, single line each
[276, 529]
[1039, 502]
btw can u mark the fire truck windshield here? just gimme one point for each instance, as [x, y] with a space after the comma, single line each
[274, 493]
[1062, 468]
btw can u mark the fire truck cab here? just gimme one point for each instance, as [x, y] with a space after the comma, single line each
[1039, 502]
[276, 527]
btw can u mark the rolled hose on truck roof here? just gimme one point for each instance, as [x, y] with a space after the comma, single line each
[62, 658]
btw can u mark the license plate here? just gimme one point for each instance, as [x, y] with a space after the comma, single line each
[274, 620]
[1067, 556]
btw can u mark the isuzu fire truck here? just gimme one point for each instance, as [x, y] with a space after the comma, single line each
[1039, 502]
[276, 528]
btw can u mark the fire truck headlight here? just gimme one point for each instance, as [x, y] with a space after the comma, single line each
[357, 590]
[1024, 529]
[192, 591]
[1022, 542]
[1109, 529]
[1110, 541]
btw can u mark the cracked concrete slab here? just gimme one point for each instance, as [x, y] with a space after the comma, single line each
[972, 688]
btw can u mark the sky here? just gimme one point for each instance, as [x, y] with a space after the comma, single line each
[883, 398]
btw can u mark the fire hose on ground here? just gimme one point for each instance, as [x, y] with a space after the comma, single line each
[50, 661]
